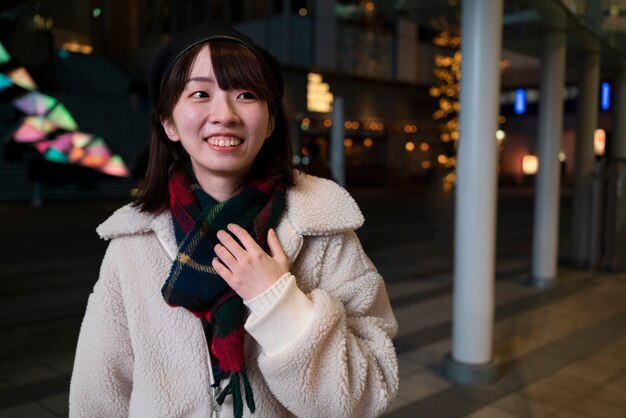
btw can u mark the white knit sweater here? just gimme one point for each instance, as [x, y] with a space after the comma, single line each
[318, 343]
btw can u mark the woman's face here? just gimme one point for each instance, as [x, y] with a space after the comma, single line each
[221, 130]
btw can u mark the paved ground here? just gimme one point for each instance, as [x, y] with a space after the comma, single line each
[561, 349]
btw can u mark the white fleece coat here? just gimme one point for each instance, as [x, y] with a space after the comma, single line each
[318, 342]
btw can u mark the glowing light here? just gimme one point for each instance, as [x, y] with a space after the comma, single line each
[409, 146]
[318, 96]
[424, 146]
[77, 47]
[96, 12]
[500, 135]
[347, 143]
[442, 159]
[328, 123]
[561, 156]
[21, 78]
[425, 165]
[80, 139]
[303, 12]
[115, 167]
[96, 154]
[530, 165]
[605, 96]
[34, 128]
[501, 120]
[520, 101]
[4, 82]
[62, 118]
[4, 55]
[34, 103]
[369, 6]
[55, 156]
[367, 142]
[306, 121]
[28, 133]
[599, 141]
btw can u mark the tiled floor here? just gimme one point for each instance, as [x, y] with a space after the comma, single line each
[563, 354]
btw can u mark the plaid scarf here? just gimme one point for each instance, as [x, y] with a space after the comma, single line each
[195, 285]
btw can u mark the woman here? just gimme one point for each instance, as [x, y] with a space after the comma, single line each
[233, 285]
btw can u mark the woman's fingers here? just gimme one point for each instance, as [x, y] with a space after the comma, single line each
[230, 244]
[221, 269]
[249, 270]
[244, 237]
[274, 244]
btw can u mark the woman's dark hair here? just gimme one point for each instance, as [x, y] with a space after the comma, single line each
[235, 67]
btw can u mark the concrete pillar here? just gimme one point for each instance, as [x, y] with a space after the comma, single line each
[586, 122]
[337, 157]
[546, 226]
[325, 34]
[615, 209]
[618, 139]
[286, 58]
[471, 360]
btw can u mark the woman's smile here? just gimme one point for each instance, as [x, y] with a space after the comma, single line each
[221, 141]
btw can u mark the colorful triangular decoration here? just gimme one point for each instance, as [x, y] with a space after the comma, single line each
[96, 154]
[21, 78]
[33, 128]
[115, 167]
[5, 82]
[62, 118]
[34, 103]
[4, 55]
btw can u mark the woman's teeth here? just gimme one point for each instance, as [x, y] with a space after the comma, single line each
[224, 142]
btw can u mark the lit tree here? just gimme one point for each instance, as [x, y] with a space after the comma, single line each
[448, 74]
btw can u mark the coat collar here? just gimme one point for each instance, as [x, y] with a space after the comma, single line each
[315, 206]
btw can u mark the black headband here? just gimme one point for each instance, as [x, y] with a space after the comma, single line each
[183, 41]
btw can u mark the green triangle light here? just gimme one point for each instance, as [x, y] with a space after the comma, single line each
[4, 55]
[61, 117]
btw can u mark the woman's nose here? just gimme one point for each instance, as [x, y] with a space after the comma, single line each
[223, 111]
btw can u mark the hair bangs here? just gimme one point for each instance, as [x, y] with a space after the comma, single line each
[237, 67]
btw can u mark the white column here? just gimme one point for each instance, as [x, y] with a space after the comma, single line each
[337, 158]
[586, 121]
[546, 224]
[475, 214]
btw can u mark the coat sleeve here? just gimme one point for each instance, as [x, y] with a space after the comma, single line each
[330, 353]
[102, 376]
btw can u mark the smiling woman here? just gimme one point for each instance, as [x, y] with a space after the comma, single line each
[222, 130]
[233, 285]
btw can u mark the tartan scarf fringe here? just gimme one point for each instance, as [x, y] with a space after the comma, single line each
[193, 283]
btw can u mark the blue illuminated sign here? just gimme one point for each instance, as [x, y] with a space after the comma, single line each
[605, 95]
[520, 101]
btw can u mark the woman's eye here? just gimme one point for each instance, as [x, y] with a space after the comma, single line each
[247, 95]
[200, 94]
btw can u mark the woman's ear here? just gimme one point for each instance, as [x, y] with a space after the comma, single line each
[170, 129]
[270, 127]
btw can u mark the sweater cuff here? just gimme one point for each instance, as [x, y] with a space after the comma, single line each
[260, 304]
[277, 327]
